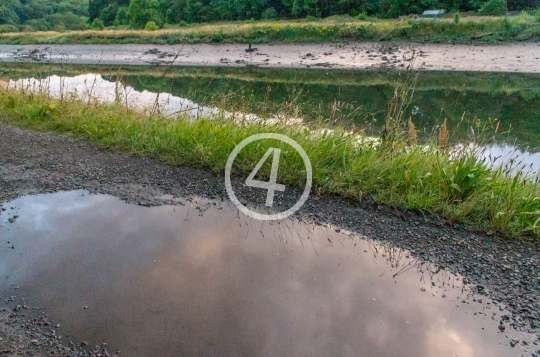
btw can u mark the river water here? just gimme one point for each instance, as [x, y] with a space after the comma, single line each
[498, 113]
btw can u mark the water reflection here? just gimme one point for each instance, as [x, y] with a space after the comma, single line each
[93, 86]
[200, 279]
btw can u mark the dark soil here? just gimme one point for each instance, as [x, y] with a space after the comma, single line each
[505, 270]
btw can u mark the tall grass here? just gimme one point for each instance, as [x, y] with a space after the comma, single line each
[428, 178]
[485, 29]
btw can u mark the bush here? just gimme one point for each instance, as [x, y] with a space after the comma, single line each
[97, 24]
[122, 16]
[506, 26]
[269, 14]
[456, 18]
[183, 23]
[8, 28]
[493, 8]
[311, 18]
[38, 25]
[61, 27]
[218, 36]
[151, 26]
[363, 16]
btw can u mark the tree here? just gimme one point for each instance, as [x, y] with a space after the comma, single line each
[10, 11]
[122, 16]
[95, 7]
[140, 12]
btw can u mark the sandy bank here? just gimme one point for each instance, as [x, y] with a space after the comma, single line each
[517, 57]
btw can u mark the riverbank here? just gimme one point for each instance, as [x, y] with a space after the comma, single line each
[518, 58]
[467, 30]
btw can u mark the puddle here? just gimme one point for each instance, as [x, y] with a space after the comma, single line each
[199, 280]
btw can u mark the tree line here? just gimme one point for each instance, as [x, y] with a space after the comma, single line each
[138, 12]
[80, 14]
[42, 15]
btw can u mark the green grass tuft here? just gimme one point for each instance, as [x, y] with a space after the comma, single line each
[423, 178]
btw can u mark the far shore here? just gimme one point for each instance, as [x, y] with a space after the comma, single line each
[509, 57]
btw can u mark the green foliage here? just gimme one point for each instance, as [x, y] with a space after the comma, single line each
[218, 37]
[97, 24]
[10, 11]
[269, 14]
[183, 23]
[108, 14]
[8, 28]
[38, 24]
[311, 18]
[59, 27]
[42, 15]
[46, 14]
[363, 16]
[151, 26]
[140, 12]
[122, 16]
[456, 18]
[494, 8]
[424, 178]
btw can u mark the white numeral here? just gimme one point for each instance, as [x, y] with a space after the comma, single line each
[271, 185]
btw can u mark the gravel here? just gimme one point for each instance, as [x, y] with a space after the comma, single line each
[505, 270]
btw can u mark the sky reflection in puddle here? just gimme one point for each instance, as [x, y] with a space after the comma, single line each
[200, 280]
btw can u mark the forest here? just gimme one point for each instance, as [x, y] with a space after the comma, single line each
[61, 15]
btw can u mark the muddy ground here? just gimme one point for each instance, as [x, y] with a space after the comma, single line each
[507, 271]
[514, 57]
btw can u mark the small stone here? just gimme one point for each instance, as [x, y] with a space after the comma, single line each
[423, 289]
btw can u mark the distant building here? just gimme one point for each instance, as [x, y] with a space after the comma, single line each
[433, 13]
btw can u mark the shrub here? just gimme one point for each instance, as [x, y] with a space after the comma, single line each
[506, 25]
[218, 36]
[269, 14]
[183, 23]
[38, 25]
[8, 28]
[61, 27]
[97, 24]
[494, 8]
[456, 18]
[311, 18]
[151, 26]
[363, 16]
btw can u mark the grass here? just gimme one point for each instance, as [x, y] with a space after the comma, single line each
[481, 100]
[396, 173]
[336, 28]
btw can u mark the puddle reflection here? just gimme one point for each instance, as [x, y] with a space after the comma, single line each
[201, 280]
